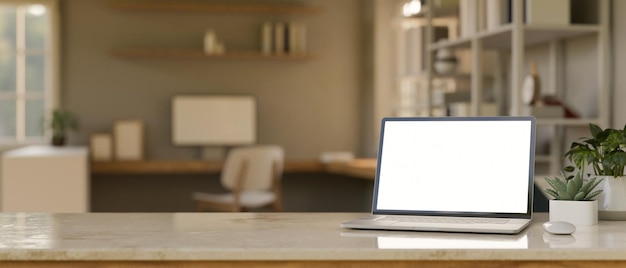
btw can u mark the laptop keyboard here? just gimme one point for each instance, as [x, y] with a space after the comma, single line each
[445, 220]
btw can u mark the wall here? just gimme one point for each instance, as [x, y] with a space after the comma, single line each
[308, 107]
[619, 64]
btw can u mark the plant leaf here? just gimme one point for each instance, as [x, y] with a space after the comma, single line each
[557, 184]
[593, 195]
[552, 193]
[578, 181]
[572, 187]
[619, 158]
[579, 196]
[589, 186]
[586, 188]
[560, 188]
[595, 130]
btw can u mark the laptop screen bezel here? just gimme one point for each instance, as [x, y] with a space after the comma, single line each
[531, 165]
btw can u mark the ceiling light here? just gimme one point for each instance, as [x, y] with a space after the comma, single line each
[411, 8]
[36, 10]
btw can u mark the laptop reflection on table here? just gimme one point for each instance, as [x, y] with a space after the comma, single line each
[406, 240]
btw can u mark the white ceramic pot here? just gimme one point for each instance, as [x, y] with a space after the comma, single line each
[582, 213]
[612, 200]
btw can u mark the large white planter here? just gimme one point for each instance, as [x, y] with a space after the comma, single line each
[612, 200]
[574, 212]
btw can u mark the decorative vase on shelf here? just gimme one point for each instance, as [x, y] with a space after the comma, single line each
[445, 61]
[212, 45]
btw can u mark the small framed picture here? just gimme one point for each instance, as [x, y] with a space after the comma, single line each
[128, 137]
[101, 147]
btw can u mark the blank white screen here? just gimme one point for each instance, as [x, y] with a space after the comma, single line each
[455, 166]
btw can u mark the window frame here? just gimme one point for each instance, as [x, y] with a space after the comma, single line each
[51, 94]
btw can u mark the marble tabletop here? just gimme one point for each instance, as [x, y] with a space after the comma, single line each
[280, 236]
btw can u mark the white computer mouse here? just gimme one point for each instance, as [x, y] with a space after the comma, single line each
[559, 227]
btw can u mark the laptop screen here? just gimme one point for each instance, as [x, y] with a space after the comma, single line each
[479, 166]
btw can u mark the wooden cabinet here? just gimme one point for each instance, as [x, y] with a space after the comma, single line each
[162, 53]
[43, 178]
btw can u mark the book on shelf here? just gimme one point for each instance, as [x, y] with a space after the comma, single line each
[481, 23]
[552, 12]
[280, 38]
[497, 13]
[473, 17]
[467, 20]
[266, 38]
[296, 38]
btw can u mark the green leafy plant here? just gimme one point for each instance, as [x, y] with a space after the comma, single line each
[62, 121]
[573, 187]
[604, 151]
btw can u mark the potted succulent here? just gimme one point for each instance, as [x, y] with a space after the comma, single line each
[574, 198]
[605, 153]
[62, 122]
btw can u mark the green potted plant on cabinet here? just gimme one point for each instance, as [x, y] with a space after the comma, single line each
[574, 198]
[605, 153]
[62, 121]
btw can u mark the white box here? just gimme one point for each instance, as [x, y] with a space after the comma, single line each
[101, 147]
[128, 137]
[45, 179]
[547, 12]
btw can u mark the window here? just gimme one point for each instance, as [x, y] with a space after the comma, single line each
[28, 34]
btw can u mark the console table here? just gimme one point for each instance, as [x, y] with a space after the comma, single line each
[286, 240]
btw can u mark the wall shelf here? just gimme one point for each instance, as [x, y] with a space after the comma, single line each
[500, 38]
[567, 121]
[214, 7]
[163, 53]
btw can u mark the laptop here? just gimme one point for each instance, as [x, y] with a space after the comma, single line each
[455, 174]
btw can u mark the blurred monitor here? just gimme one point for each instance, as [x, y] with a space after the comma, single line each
[213, 120]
